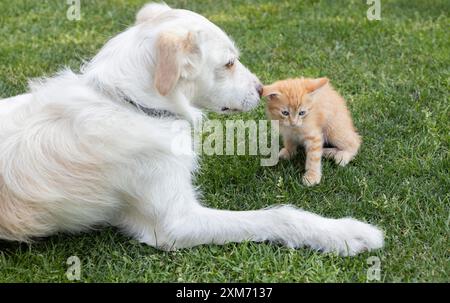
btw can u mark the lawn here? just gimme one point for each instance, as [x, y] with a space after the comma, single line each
[394, 74]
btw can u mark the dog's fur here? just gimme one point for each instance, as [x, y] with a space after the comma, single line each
[74, 154]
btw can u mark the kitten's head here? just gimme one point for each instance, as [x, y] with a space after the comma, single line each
[290, 101]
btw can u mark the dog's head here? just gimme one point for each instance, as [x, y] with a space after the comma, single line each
[192, 55]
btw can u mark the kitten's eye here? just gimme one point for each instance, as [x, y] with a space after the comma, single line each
[230, 64]
[302, 113]
[285, 113]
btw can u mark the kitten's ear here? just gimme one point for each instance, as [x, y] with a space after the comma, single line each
[271, 92]
[311, 85]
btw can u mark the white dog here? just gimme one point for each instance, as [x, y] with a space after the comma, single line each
[82, 150]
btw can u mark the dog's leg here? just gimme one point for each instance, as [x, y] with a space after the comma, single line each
[285, 225]
[192, 114]
[164, 212]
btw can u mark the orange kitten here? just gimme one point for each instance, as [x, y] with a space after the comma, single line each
[312, 113]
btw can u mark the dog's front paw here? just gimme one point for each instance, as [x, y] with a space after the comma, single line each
[353, 237]
[311, 178]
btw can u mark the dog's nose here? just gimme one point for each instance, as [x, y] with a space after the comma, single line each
[259, 89]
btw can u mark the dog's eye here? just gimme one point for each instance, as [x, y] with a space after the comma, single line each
[285, 113]
[230, 64]
[302, 113]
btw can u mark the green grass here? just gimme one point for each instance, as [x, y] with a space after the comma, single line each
[394, 74]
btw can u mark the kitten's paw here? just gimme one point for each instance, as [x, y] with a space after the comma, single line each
[342, 158]
[311, 178]
[284, 154]
[329, 152]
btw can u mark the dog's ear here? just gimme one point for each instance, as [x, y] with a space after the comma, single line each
[168, 68]
[312, 85]
[271, 91]
[176, 57]
[151, 11]
[192, 55]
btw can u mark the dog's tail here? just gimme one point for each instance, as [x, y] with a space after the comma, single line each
[151, 11]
